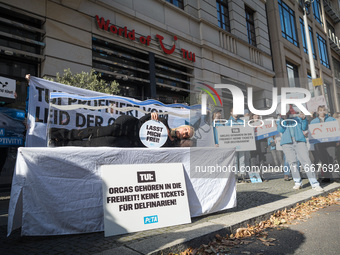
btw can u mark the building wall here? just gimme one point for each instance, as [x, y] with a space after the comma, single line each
[70, 25]
[284, 50]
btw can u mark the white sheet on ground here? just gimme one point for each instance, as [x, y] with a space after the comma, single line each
[58, 191]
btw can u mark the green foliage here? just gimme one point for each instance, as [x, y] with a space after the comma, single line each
[84, 80]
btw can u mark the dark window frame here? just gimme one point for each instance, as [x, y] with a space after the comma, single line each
[178, 3]
[317, 11]
[289, 33]
[223, 15]
[304, 41]
[323, 52]
[250, 21]
[295, 70]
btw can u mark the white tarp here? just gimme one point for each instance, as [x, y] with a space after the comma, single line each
[58, 191]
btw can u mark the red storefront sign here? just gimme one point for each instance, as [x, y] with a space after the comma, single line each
[131, 35]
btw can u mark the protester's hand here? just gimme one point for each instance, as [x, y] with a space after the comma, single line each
[302, 115]
[28, 76]
[154, 116]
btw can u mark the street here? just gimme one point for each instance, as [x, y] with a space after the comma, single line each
[318, 235]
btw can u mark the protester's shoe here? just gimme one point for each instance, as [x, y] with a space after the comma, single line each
[297, 186]
[286, 178]
[318, 188]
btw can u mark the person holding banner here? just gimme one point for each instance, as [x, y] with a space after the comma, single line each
[295, 148]
[124, 132]
[327, 150]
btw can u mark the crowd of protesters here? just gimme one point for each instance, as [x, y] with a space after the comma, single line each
[295, 153]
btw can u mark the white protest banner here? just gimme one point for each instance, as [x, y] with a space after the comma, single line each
[324, 132]
[7, 87]
[264, 128]
[242, 138]
[38, 109]
[153, 134]
[315, 102]
[139, 197]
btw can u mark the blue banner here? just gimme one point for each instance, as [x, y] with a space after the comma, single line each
[12, 128]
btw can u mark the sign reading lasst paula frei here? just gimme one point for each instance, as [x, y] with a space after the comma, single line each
[143, 196]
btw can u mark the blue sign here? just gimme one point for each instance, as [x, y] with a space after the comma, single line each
[150, 219]
[11, 141]
[12, 128]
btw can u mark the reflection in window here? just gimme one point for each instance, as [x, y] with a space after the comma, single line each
[304, 41]
[317, 11]
[223, 14]
[328, 98]
[293, 75]
[310, 85]
[21, 43]
[288, 26]
[178, 3]
[323, 51]
[250, 26]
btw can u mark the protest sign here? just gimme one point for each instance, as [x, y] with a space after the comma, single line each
[264, 128]
[324, 132]
[40, 92]
[315, 102]
[153, 134]
[242, 138]
[255, 177]
[7, 87]
[291, 108]
[139, 197]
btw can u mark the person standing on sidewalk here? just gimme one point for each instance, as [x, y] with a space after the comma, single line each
[240, 156]
[326, 151]
[295, 149]
[257, 157]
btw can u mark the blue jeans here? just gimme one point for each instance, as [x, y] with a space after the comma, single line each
[295, 152]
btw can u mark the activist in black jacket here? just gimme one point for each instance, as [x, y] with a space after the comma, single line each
[124, 132]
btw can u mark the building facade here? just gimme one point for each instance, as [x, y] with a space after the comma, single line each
[290, 51]
[155, 49]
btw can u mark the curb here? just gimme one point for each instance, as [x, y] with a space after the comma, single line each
[217, 226]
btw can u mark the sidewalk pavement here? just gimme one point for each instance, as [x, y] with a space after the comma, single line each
[255, 202]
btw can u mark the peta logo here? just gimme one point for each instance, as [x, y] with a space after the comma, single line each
[238, 100]
[150, 219]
